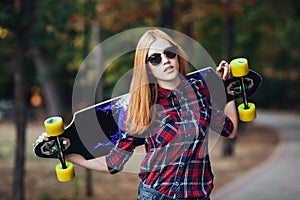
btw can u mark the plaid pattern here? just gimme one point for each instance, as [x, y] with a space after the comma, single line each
[177, 162]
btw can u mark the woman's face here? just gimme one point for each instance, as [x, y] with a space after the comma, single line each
[163, 64]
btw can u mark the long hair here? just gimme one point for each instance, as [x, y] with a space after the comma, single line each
[144, 91]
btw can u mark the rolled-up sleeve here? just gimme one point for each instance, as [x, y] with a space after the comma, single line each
[220, 122]
[117, 159]
[227, 127]
[122, 151]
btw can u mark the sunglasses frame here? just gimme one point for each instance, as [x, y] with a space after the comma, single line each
[155, 59]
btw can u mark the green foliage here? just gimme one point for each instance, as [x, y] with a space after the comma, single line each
[76, 186]
[45, 196]
[57, 30]
[115, 72]
[7, 51]
[266, 32]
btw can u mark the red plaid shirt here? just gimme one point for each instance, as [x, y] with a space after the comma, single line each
[177, 162]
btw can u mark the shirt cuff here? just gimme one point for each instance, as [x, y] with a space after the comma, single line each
[116, 160]
[227, 127]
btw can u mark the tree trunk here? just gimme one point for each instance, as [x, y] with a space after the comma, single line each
[20, 100]
[167, 13]
[20, 120]
[96, 37]
[227, 144]
[229, 34]
[49, 90]
[88, 174]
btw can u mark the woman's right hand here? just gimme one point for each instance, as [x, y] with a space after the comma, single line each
[43, 137]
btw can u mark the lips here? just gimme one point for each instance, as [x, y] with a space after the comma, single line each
[169, 68]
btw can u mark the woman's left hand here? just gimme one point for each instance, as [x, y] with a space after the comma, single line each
[223, 70]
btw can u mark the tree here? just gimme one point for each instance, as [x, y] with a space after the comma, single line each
[167, 12]
[227, 144]
[20, 91]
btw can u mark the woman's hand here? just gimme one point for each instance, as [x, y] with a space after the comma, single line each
[223, 70]
[98, 164]
[41, 138]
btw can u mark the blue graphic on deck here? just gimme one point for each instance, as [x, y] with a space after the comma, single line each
[115, 109]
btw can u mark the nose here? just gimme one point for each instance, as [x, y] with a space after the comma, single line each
[164, 59]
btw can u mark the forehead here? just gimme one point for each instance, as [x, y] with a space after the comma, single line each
[158, 46]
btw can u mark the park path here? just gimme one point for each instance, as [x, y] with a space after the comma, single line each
[278, 178]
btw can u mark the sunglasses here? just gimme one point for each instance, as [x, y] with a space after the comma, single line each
[155, 59]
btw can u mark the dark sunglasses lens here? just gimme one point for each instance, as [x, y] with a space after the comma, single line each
[171, 52]
[155, 59]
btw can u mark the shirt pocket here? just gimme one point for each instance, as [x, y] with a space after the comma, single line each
[165, 130]
[189, 122]
[195, 122]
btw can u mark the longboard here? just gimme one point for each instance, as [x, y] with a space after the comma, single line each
[94, 131]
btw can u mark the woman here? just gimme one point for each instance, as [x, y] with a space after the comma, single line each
[171, 116]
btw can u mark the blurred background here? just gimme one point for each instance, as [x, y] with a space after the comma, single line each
[43, 44]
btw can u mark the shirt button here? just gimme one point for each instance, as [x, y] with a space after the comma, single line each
[176, 183]
[181, 165]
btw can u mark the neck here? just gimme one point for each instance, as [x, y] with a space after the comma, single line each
[170, 85]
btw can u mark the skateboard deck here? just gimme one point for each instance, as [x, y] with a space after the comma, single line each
[93, 131]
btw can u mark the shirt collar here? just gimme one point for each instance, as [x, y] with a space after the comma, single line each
[165, 93]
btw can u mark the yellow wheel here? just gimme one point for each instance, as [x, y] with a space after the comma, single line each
[54, 126]
[65, 175]
[247, 115]
[239, 67]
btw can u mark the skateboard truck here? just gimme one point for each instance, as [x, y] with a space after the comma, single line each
[239, 68]
[54, 128]
[243, 89]
[57, 149]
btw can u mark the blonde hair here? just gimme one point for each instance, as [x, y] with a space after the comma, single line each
[143, 93]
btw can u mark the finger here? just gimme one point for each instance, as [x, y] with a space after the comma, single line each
[221, 65]
[219, 71]
[229, 72]
[42, 137]
[37, 142]
[226, 70]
